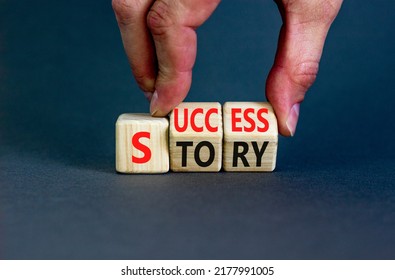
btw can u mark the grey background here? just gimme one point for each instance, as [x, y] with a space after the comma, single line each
[64, 80]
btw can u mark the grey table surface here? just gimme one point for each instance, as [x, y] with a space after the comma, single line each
[64, 80]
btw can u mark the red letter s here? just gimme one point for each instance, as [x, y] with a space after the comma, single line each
[249, 120]
[146, 150]
[262, 119]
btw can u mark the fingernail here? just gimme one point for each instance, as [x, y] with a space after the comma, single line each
[153, 106]
[292, 119]
[148, 95]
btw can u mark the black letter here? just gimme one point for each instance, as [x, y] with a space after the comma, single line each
[259, 153]
[211, 150]
[240, 155]
[184, 146]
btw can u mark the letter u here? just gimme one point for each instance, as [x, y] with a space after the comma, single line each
[177, 122]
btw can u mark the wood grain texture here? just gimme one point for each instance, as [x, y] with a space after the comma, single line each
[142, 144]
[195, 137]
[250, 136]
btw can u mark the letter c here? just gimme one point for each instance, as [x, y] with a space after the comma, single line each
[207, 120]
[193, 116]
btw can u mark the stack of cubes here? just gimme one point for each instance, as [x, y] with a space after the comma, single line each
[199, 137]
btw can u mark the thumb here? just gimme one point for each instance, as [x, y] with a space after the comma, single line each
[302, 36]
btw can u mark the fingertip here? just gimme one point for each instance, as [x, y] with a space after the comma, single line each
[287, 123]
[155, 108]
[287, 114]
[285, 99]
[292, 119]
[146, 83]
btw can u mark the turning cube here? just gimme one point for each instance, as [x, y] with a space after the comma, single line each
[195, 137]
[250, 136]
[142, 144]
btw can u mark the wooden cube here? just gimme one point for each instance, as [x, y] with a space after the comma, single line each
[142, 144]
[196, 137]
[250, 136]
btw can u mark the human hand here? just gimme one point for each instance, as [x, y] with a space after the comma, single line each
[160, 42]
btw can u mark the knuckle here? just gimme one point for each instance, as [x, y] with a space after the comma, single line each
[125, 11]
[305, 73]
[160, 17]
[312, 12]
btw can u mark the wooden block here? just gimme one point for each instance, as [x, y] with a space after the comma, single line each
[196, 137]
[250, 136]
[142, 144]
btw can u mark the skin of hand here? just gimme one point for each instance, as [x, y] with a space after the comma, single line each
[160, 42]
